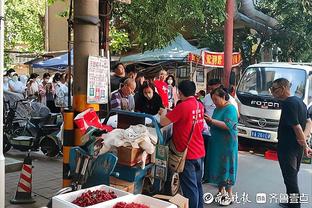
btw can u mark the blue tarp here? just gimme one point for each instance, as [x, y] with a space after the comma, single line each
[177, 50]
[59, 63]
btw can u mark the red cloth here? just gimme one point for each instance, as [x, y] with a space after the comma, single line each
[162, 90]
[182, 117]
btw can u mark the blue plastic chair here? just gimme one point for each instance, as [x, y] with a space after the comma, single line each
[101, 169]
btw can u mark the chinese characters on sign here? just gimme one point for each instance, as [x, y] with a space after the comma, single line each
[216, 59]
[98, 75]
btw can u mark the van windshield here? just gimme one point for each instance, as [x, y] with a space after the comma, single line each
[258, 80]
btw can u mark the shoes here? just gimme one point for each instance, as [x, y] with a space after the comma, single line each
[226, 200]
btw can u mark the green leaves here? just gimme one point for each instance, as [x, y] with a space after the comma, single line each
[24, 22]
[153, 23]
[295, 38]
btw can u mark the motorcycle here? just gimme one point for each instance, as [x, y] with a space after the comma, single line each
[31, 133]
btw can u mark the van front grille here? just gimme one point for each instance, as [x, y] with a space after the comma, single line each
[259, 123]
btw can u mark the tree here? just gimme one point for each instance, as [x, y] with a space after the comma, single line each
[295, 36]
[153, 23]
[24, 22]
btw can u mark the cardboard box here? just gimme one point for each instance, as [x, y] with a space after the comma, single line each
[121, 184]
[64, 200]
[178, 200]
[142, 199]
[130, 156]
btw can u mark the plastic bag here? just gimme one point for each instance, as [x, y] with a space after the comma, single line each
[89, 118]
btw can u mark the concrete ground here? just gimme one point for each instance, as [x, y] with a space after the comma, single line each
[255, 175]
[258, 175]
[47, 179]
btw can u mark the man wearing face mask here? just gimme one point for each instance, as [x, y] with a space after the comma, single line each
[15, 85]
[120, 98]
[148, 100]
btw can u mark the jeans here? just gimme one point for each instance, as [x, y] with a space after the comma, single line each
[289, 161]
[190, 180]
[206, 160]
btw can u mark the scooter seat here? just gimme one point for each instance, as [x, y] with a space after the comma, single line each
[24, 138]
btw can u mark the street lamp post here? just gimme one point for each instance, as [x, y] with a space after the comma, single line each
[2, 159]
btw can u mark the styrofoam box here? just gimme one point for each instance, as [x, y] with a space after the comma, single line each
[142, 199]
[64, 200]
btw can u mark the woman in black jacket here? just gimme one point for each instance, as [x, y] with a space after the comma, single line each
[147, 100]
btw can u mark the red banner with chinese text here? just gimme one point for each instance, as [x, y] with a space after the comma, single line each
[194, 58]
[216, 59]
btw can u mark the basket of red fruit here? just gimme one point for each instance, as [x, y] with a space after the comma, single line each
[138, 201]
[90, 198]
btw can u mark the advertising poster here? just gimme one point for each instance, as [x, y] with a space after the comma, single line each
[98, 80]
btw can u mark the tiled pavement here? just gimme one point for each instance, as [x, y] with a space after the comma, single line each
[47, 179]
[255, 175]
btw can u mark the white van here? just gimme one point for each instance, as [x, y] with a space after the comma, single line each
[259, 111]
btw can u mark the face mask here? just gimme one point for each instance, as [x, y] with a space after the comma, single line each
[38, 80]
[15, 78]
[170, 81]
[149, 96]
[5, 79]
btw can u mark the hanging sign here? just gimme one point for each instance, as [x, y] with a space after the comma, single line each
[216, 59]
[98, 80]
[194, 58]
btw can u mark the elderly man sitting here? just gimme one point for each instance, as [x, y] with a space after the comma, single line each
[123, 98]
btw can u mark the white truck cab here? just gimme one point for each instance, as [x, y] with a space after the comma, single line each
[259, 111]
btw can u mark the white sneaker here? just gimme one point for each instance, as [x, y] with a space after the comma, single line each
[226, 200]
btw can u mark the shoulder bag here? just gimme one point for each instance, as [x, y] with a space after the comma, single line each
[176, 160]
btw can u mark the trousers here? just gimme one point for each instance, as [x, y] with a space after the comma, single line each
[289, 161]
[190, 181]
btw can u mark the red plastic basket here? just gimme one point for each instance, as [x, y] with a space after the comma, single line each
[270, 155]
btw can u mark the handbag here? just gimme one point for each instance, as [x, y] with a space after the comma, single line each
[176, 160]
